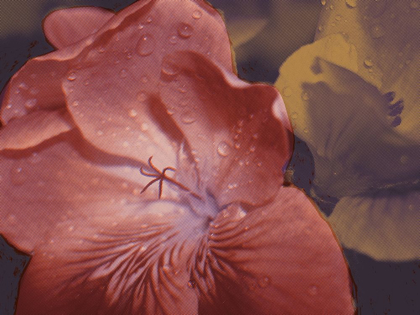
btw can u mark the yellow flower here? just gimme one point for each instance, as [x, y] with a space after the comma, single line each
[353, 97]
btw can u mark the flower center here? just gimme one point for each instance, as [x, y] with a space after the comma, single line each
[160, 176]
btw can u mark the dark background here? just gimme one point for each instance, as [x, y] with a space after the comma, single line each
[380, 287]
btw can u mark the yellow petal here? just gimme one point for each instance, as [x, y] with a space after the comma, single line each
[385, 226]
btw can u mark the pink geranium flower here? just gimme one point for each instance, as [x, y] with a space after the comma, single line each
[206, 226]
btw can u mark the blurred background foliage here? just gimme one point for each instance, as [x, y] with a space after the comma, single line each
[268, 31]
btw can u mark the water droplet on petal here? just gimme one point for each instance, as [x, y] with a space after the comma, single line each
[338, 17]
[146, 45]
[169, 68]
[287, 91]
[144, 127]
[313, 290]
[75, 104]
[34, 91]
[18, 176]
[192, 284]
[377, 31]
[197, 14]
[123, 73]
[173, 39]
[34, 158]
[323, 2]
[31, 103]
[223, 149]
[305, 96]
[72, 76]
[368, 63]
[351, 3]
[188, 117]
[294, 115]
[132, 113]
[305, 130]
[320, 28]
[125, 144]
[185, 30]
[149, 19]
[99, 133]
[264, 282]
[141, 96]
[23, 86]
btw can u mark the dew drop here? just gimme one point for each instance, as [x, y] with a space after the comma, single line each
[144, 79]
[123, 73]
[252, 148]
[141, 96]
[323, 2]
[99, 133]
[377, 31]
[264, 282]
[23, 86]
[149, 19]
[185, 30]
[232, 186]
[146, 45]
[188, 117]
[294, 115]
[31, 103]
[34, 91]
[173, 39]
[287, 91]
[305, 96]
[351, 3]
[169, 68]
[75, 103]
[34, 158]
[18, 176]
[197, 14]
[86, 83]
[132, 113]
[305, 130]
[144, 126]
[320, 28]
[72, 76]
[338, 17]
[313, 290]
[125, 144]
[368, 63]
[223, 149]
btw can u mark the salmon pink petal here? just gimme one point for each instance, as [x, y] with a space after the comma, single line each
[65, 27]
[97, 245]
[113, 96]
[238, 134]
[278, 259]
[32, 129]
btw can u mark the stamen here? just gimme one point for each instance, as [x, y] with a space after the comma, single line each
[161, 176]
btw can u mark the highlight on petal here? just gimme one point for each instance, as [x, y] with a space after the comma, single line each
[32, 129]
[385, 34]
[238, 133]
[67, 26]
[347, 123]
[384, 225]
[277, 259]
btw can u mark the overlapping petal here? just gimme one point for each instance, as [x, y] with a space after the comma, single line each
[135, 36]
[345, 121]
[383, 225]
[386, 36]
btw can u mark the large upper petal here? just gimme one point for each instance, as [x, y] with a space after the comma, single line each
[238, 134]
[157, 25]
[350, 127]
[386, 36]
[385, 225]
